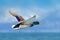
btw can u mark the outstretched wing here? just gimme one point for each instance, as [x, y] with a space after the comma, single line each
[19, 18]
[30, 20]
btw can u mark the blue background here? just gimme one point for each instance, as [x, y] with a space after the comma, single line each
[48, 12]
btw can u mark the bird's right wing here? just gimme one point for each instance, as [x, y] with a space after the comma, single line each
[19, 18]
[30, 20]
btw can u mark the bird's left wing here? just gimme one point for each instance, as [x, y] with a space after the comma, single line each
[19, 18]
[30, 20]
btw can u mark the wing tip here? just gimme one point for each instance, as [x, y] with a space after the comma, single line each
[34, 16]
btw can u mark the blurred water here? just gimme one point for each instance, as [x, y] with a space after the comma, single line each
[29, 36]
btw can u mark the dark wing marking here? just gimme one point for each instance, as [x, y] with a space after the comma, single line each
[19, 18]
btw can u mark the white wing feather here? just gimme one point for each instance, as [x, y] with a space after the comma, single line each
[30, 20]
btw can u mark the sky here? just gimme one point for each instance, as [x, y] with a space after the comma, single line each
[47, 12]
